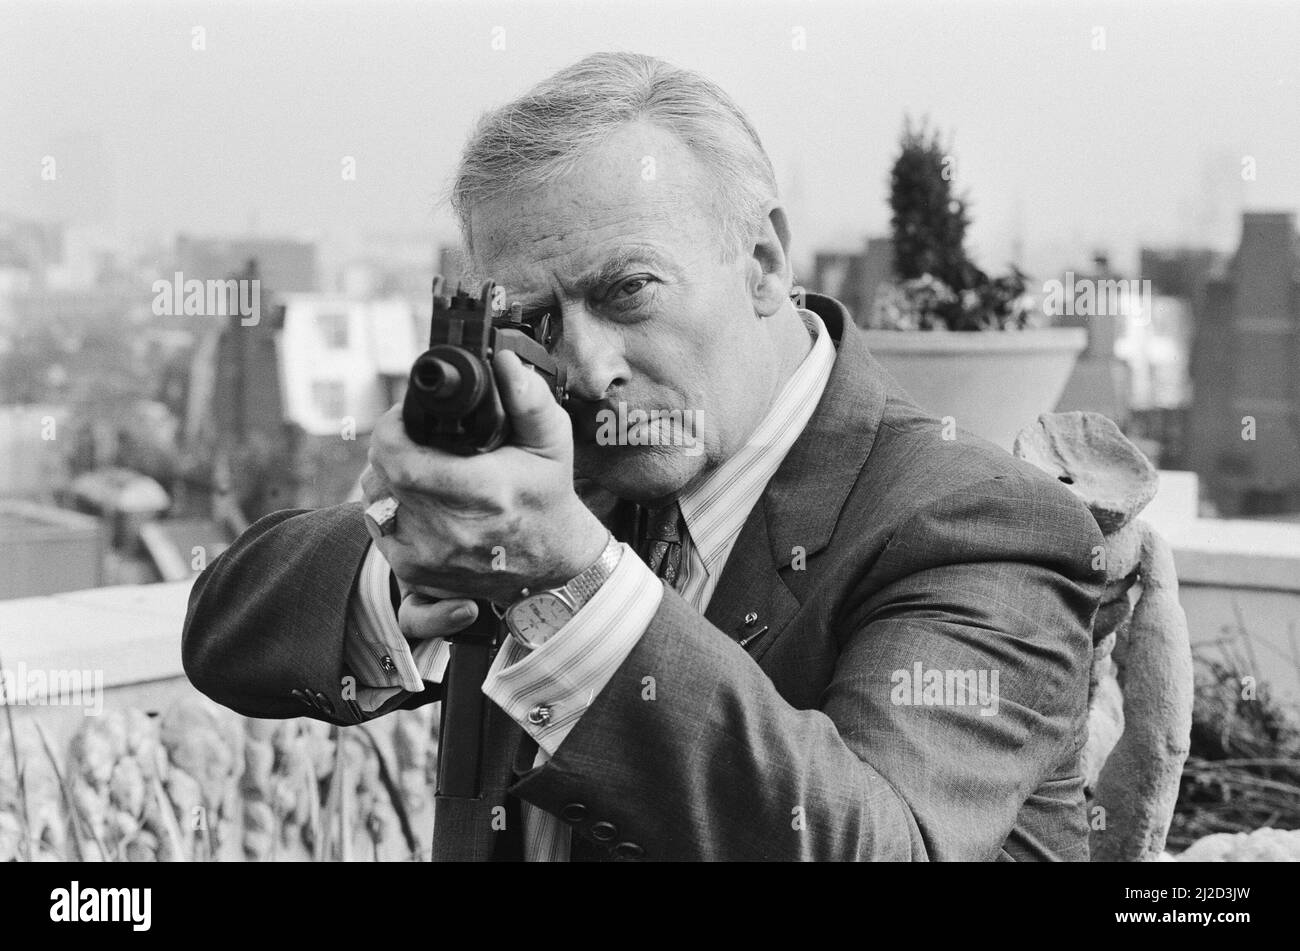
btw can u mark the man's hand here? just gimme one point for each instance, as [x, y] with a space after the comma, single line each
[422, 617]
[490, 525]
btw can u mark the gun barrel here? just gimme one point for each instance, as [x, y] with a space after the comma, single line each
[436, 377]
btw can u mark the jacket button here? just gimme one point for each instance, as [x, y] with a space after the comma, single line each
[301, 697]
[603, 831]
[628, 850]
[573, 812]
[324, 703]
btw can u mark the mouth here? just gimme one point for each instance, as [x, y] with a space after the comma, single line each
[594, 423]
[618, 428]
[605, 432]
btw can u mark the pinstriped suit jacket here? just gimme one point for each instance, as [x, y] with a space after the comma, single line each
[880, 556]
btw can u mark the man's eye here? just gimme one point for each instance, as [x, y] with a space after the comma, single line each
[632, 286]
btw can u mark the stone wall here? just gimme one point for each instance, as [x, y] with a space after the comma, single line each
[196, 782]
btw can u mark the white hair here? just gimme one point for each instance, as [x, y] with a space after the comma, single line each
[538, 137]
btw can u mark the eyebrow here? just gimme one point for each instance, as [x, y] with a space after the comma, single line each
[618, 264]
[608, 271]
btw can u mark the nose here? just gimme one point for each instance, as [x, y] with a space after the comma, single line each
[591, 352]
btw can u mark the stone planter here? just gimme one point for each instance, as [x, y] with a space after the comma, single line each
[993, 383]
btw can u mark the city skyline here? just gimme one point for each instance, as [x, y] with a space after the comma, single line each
[1075, 127]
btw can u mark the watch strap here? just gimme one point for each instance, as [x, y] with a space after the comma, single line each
[581, 589]
[573, 595]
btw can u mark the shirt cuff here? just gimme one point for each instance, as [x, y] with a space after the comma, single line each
[566, 673]
[376, 651]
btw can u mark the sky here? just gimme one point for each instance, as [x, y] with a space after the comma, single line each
[1074, 126]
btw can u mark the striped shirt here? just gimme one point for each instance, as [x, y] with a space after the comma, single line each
[567, 672]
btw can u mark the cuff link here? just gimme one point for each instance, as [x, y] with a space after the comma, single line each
[540, 715]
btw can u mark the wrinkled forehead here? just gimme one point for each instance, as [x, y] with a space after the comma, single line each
[640, 188]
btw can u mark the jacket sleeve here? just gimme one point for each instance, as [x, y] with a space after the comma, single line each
[265, 628]
[995, 577]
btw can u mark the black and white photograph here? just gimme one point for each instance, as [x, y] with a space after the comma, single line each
[541, 431]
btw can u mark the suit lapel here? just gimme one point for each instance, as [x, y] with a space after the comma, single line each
[751, 603]
[768, 571]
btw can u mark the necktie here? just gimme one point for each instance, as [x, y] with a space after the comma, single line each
[660, 541]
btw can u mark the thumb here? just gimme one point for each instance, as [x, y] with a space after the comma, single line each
[420, 618]
[537, 422]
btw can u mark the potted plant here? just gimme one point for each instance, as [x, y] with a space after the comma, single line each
[992, 384]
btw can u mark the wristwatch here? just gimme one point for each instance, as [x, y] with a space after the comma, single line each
[534, 619]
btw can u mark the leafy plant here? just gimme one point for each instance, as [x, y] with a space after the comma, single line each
[1243, 772]
[929, 219]
[938, 287]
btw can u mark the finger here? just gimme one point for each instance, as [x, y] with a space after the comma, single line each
[373, 485]
[537, 421]
[404, 464]
[420, 618]
[388, 442]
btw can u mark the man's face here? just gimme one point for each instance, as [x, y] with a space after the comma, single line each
[627, 253]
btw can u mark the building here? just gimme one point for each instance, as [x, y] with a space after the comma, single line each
[853, 277]
[344, 358]
[282, 263]
[1244, 434]
[385, 264]
[1158, 351]
[1099, 382]
[288, 402]
[1180, 272]
[45, 550]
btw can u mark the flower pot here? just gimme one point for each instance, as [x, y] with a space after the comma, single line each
[993, 383]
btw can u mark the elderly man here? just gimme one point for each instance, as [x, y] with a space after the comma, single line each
[839, 636]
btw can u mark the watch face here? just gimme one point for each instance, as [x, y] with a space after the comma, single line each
[536, 618]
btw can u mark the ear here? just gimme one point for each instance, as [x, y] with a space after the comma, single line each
[770, 274]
